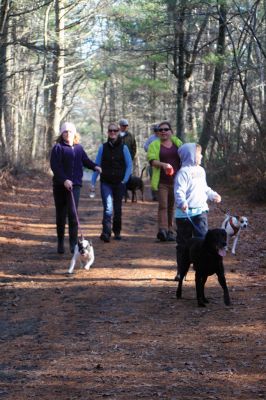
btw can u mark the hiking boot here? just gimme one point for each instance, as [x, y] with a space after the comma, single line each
[171, 237]
[162, 235]
[105, 238]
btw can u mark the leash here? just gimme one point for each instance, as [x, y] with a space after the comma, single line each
[222, 210]
[76, 213]
[194, 226]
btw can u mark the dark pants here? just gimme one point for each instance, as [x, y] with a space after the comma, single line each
[185, 231]
[64, 207]
[112, 196]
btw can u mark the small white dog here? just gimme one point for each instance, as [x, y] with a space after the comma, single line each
[233, 226]
[83, 253]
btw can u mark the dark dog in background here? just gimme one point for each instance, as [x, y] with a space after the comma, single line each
[207, 258]
[133, 184]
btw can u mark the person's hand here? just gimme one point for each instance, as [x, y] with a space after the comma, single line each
[68, 184]
[97, 168]
[184, 208]
[166, 167]
[217, 199]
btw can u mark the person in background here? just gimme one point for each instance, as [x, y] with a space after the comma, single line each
[67, 161]
[127, 138]
[116, 163]
[151, 138]
[191, 195]
[164, 159]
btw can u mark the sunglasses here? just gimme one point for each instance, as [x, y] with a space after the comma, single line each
[164, 129]
[113, 130]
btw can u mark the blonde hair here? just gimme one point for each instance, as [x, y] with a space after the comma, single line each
[76, 140]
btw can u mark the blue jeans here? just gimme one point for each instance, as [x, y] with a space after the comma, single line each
[185, 231]
[112, 196]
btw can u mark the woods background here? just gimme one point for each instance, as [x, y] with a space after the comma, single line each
[199, 64]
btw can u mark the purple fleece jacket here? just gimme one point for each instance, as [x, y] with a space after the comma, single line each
[67, 162]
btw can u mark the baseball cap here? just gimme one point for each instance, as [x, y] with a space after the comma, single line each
[123, 122]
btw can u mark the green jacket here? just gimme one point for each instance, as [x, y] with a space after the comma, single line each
[154, 154]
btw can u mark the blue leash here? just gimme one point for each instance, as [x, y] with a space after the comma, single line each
[194, 226]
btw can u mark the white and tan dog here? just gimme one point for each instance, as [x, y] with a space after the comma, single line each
[83, 253]
[233, 226]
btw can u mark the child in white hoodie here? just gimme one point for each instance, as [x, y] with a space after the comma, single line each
[191, 195]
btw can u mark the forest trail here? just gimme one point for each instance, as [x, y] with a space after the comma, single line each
[118, 331]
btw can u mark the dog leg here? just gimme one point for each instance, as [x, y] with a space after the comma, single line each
[200, 282]
[142, 195]
[72, 264]
[222, 281]
[184, 267]
[204, 280]
[126, 196]
[235, 243]
[179, 288]
[91, 260]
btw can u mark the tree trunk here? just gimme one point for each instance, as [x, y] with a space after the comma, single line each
[35, 133]
[181, 77]
[4, 16]
[56, 100]
[208, 123]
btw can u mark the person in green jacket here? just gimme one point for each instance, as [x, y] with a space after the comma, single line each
[164, 159]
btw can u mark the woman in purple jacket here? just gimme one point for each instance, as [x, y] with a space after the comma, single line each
[67, 161]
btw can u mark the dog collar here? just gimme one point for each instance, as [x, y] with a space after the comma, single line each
[235, 228]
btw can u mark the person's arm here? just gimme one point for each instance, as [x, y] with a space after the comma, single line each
[153, 151]
[133, 147]
[98, 161]
[162, 165]
[129, 164]
[180, 189]
[57, 164]
[87, 162]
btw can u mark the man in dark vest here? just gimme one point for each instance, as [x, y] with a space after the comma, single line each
[127, 137]
[116, 164]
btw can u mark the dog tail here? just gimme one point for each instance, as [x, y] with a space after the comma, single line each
[142, 171]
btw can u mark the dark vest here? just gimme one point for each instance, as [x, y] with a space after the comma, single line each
[113, 163]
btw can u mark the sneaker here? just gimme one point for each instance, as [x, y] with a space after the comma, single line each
[118, 236]
[177, 278]
[171, 237]
[105, 238]
[162, 235]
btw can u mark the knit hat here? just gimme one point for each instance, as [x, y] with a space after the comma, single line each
[123, 122]
[68, 126]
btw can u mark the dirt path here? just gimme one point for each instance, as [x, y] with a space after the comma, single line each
[118, 331]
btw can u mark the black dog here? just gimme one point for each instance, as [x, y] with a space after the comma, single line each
[207, 258]
[133, 184]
